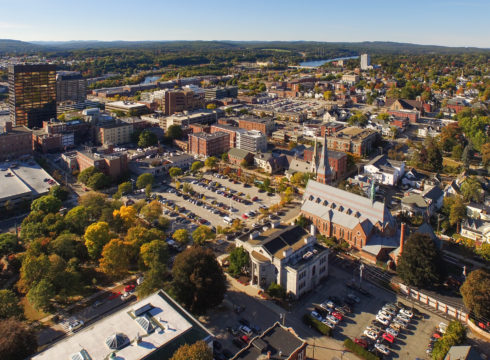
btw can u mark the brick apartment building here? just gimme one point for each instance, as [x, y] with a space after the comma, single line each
[354, 140]
[15, 141]
[330, 128]
[264, 125]
[113, 133]
[175, 101]
[209, 144]
[113, 164]
[233, 131]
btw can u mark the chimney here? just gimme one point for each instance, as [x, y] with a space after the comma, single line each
[402, 238]
[268, 354]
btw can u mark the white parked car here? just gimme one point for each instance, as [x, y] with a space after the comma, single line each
[330, 324]
[382, 320]
[403, 318]
[333, 319]
[392, 331]
[327, 305]
[371, 334]
[384, 314]
[382, 348]
[75, 324]
[406, 313]
[400, 322]
[389, 310]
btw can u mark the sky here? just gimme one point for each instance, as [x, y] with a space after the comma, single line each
[435, 22]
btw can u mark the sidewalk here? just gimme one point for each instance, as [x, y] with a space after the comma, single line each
[254, 292]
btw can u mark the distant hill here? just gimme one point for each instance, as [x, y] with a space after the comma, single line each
[375, 47]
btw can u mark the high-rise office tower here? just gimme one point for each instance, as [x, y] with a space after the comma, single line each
[32, 94]
[70, 86]
[365, 61]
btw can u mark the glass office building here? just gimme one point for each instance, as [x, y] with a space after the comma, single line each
[32, 94]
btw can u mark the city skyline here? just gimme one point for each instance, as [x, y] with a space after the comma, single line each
[427, 23]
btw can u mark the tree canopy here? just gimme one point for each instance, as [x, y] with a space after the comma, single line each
[201, 234]
[147, 138]
[198, 280]
[419, 263]
[47, 204]
[96, 236]
[9, 305]
[197, 351]
[181, 236]
[175, 172]
[239, 260]
[21, 341]
[144, 180]
[174, 132]
[476, 292]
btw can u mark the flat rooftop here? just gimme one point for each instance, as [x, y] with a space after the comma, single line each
[172, 326]
[125, 105]
[26, 178]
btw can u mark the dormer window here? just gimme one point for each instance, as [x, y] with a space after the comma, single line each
[325, 202]
[318, 200]
[311, 198]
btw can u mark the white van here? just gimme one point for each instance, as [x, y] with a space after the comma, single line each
[228, 220]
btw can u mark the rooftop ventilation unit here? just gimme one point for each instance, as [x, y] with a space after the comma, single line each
[145, 322]
[145, 308]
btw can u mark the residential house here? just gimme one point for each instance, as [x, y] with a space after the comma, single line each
[413, 178]
[476, 229]
[269, 163]
[424, 204]
[384, 170]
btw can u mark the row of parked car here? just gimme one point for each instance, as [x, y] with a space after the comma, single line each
[390, 320]
[332, 311]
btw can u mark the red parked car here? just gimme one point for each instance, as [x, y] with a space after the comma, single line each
[129, 288]
[245, 216]
[255, 198]
[361, 342]
[337, 315]
[389, 338]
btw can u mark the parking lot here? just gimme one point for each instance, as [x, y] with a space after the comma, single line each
[409, 343]
[217, 198]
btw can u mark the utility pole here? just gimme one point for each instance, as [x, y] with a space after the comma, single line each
[361, 268]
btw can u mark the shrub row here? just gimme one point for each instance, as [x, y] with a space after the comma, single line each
[359, 350]
[318, 325]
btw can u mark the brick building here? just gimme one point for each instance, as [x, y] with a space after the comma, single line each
[174, 101]
[15, 141]
[233, 131]
[355, 140]
[264, 125]
[113, 133]
[365, 224]
[330, 128]
[236, 156]
[412, 109]
[113, 164]
[209, 144]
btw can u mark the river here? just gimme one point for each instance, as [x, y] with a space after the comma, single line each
[317, 63]
[150, 79]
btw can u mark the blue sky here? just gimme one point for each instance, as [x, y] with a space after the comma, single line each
[440, 22]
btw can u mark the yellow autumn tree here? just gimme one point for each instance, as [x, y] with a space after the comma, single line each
[127, 214]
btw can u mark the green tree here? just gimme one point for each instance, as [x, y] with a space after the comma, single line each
[196, 165]
[40, 295]
[152, 211]
[466, 157]
[59, 192]
[154, 253]
[94, 203]
[86, 174]
[67, 246]
[198, 280]
[96, 236]
[211, 106]
[154, 280]
[457, 212]
[34, 268]
[139, 235]
[197, 351]
[147, 138]
[9, 244]
[77, 219]
[471, 190]
[434, 156]
[116, 258]
[476, 292]
[202, 234]
[224, 157]
[457, 152]
[455, 335]
[181, 236]
[9, 305]
[47, 204]
[276, 291]
[239, 261]
[419, 262]
[98, 181]
[174, 132]
[211, 162]
[21, 341]
[123, 189]
[175, 172]
[144, 180]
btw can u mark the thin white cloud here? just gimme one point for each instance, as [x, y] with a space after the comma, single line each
[9, 25]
